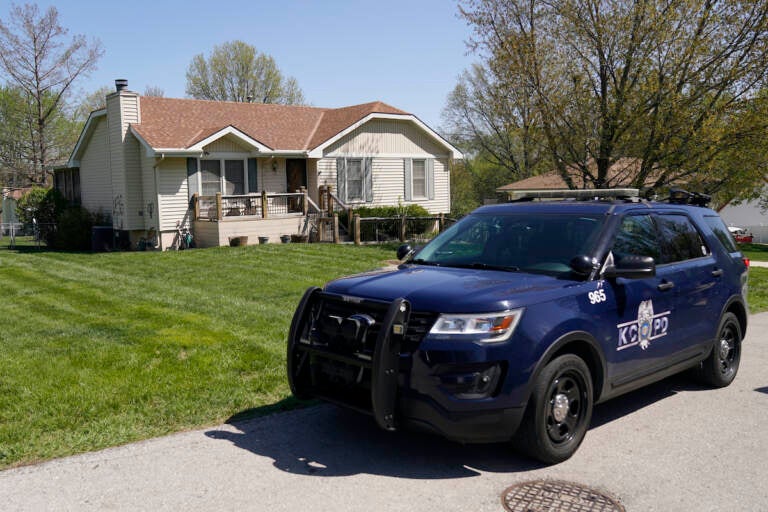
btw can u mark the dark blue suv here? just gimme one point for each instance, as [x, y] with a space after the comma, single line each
[512, 323]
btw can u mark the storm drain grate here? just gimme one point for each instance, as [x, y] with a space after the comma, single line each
[556, 496]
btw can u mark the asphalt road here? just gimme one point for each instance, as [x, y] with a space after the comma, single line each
[673, 446]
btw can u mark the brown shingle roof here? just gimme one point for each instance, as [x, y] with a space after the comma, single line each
[620, 174]
[181, 123]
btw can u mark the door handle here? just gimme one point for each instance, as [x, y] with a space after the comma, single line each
[665, 285]
[717, 272]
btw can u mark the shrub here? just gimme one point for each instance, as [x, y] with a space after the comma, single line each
[74, 226]
[44, 206]
[390, 228]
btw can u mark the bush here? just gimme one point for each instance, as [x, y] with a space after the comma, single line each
[44, 206]
[74, 229]
[390, 228]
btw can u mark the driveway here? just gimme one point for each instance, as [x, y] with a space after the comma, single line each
[673, 446]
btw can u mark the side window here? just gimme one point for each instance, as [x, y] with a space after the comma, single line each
[637, 236]
[717, 226]
[681, 240]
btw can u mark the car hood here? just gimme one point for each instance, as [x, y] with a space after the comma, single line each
[452, 290]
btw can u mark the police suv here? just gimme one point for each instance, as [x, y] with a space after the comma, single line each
[513, 322]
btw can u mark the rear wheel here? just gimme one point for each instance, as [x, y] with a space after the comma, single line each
[720, 368]
[559, 411]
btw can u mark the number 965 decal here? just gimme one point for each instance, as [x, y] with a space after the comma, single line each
[597, 296]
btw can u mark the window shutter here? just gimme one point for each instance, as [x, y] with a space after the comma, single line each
[430, 178]
[408, 179]
[341, 178]
[368, 177]
[191, 176]
[253, 183]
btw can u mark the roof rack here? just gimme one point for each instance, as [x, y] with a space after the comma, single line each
[583, 194]
[680, 196]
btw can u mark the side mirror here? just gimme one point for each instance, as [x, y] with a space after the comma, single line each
[583, 264]
[631, 267]
[404, 251]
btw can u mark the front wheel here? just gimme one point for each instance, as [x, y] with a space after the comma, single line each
[720, 368]
[559, 411]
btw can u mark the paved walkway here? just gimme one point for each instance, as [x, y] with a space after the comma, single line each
[754, 263]
[670, 447]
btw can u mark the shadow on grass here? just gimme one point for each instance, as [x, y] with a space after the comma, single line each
[327, 441]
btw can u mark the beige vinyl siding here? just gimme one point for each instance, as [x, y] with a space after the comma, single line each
[227, 144]
[122, 109]
[134, 197]
[385, 136]
[173, 198]
[270, 180]
[389, 182]
[212, 234]
[149, 194]
[313, 180]
[95, 177]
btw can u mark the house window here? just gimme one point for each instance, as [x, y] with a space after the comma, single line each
[234, 177]
[354, 180]
[419, 178]
[210, 177]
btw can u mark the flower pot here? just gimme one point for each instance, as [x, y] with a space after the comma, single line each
[286, 239]
[263, 240]
[237, 241]
[298, 238]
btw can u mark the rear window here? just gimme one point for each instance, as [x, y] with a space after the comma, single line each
[717, 226]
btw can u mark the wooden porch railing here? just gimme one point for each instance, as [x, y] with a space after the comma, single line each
[260, 206]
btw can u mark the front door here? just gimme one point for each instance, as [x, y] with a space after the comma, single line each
[296, 170]
[296, 177]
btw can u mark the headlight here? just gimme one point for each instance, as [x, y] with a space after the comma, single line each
[488, 327]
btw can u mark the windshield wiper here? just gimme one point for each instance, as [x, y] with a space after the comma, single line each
[420, 261]
[487, 266]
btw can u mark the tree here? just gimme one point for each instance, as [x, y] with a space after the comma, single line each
[37, 60]
[671, 83]
[154, 90]
[485, 115]
[236, 71]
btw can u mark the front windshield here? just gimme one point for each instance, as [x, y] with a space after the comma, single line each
[515, 242]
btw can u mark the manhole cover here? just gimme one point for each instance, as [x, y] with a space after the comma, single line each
[556, 496]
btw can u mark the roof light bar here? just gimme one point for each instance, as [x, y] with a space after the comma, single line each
[586, 194]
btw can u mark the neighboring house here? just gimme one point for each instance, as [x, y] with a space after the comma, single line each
[8, 202]
[748, 216]
[241, 169]
[620, 174]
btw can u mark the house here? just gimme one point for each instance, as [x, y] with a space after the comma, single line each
[227, 169]
[748, 215]
[8, 200]
[620, 175]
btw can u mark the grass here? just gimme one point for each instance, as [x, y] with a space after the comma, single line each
[98, 350]
[757, 252]
[758, 289]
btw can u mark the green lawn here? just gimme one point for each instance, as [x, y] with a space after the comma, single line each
[102, 349]
[757, 252]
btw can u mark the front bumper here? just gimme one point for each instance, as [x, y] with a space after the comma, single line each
[378, 370]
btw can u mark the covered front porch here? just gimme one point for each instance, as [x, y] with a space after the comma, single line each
[265, 217]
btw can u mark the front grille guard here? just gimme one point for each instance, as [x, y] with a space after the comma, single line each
[384, 365]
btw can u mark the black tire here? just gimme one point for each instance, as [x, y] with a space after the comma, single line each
[563, 391]
[720, 368]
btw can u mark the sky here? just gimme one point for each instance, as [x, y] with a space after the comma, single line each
[408, 53]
